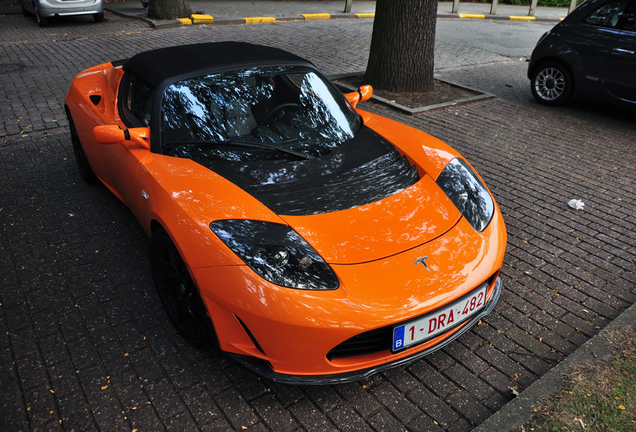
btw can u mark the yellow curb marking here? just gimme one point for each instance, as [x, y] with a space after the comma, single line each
[202, 19]
[366, 15]
[185, 21]
[258, 20]
[472, 16]
[522, 18]
[316, 16]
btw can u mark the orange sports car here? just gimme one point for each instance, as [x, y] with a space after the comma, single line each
[310, 241]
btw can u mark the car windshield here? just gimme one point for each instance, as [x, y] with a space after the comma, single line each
[243, 114]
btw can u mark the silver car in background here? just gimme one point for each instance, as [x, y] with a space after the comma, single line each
[44, 9]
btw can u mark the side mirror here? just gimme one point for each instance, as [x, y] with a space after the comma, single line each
[364, 93]
[113, 134]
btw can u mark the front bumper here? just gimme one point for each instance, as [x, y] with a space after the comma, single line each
[288, 334]
[262, 368]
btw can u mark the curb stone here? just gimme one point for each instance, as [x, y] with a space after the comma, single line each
[300, 17]
[404, 109]
[521, 409]
[210, 20]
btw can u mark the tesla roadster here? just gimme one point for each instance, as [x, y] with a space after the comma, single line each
[309, 240]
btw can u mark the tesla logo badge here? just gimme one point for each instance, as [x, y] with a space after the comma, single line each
[144, 195]
[422, 260]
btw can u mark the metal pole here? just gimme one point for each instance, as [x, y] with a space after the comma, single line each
[455, 6]
[533, 8]
[348, 6]
[493, 7]
[572, 6]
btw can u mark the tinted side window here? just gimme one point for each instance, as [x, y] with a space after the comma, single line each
[609, 15]
[136, 100]
[627, 20]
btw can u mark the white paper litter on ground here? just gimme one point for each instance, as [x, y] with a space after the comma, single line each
[576, 204]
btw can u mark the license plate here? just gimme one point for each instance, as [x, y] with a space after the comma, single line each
[439, 321]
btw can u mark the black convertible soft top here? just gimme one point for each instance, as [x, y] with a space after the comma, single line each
[161, 64]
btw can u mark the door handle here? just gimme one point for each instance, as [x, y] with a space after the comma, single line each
[623, 51]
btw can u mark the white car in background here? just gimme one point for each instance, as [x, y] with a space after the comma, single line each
[44, 9]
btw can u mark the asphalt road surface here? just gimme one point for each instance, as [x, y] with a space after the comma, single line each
[512, 39]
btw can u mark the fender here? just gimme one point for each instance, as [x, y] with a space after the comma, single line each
[559, 52]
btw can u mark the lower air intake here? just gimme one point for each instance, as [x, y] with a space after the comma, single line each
[366, 343]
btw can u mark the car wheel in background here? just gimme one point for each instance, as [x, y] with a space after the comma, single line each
[552, 84]
[99, 17]
[42, 21]
[25, 12]
[177, 290]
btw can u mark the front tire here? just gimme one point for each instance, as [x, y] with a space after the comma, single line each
[177, 290]
[99, 17]
[552, 84]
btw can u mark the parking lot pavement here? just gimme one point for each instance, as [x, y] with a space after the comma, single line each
[39, 63]
[233, 11]
[85, 344]
[17, 28]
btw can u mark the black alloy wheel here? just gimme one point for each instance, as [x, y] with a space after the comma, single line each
[177, 290]
[85, 170]
[552, 84]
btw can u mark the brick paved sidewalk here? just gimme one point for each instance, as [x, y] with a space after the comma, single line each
[85, 344]
[35, 78]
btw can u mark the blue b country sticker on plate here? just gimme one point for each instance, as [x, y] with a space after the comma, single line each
[398, 338]
[440, 320]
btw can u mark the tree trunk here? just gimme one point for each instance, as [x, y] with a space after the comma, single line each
[402, 46]
[169, 9]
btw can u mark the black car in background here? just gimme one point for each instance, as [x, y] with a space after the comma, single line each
[591, 53]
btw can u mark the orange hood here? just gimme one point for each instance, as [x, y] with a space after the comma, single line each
[400, 222]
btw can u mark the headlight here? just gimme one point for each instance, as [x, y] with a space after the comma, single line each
[460, 183]
[276, 253]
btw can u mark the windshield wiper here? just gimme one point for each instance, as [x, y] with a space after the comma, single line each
[250, 144]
